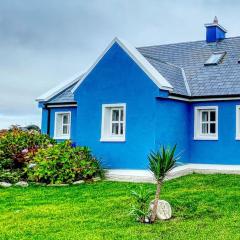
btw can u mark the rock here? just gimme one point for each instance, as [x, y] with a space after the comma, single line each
[164, 210]
[96, 179]
[5, 184]
[78, 182]
[21, 184]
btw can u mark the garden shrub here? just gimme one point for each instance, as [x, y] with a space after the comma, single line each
[12, 176]
[63, 163]
[18, 147]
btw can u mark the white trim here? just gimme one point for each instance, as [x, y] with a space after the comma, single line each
[197, 134]
[67, 136]
[204, 99]
[141, 61]
[237, 122]
[136, 175]
[54, 91]
[108, 138]
[216, 25]
[61, 105]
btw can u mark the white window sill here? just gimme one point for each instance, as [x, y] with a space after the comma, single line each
[112, 139]
[238, 138]
[62, 137]
[206, 138]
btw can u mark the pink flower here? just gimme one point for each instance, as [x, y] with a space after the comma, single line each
[25, 151]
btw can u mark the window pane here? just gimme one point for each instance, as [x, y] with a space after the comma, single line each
[212, 128]
[65, 119]
[65, 129]
[121, 116]
[213, 116]
[115, 115]
[204, 116]
[121, 128]
[115, 128]
[204, 128]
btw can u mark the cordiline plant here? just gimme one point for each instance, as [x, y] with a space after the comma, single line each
[160, 163]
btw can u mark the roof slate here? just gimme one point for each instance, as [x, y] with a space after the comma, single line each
[65, 96]
[182, 65]
[214, 80]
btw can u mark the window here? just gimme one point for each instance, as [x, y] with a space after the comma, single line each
[206, 123]
[113, 122]
[238, 122]
[215, 58]
[62, 125]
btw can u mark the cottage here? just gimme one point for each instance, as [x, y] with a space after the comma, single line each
[132, 100]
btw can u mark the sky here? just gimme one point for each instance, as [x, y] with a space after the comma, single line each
[43, 43]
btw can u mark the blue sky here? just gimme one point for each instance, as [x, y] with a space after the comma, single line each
[43, 43]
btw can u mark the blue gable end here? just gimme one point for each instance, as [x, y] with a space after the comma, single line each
[118, 79]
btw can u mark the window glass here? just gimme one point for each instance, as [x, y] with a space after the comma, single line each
[212, 116]
[204, 116]
[215, 58]
[65, 119]
[115, 115]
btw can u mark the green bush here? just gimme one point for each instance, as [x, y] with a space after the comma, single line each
[18, 147]
[62, 163]
[12, 176]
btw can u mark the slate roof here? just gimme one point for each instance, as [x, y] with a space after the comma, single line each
[214, 80]
[65, 96]
[182, 65]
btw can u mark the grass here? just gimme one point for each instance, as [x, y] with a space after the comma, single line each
[204, 207]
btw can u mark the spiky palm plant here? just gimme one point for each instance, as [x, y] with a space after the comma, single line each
[160, 163]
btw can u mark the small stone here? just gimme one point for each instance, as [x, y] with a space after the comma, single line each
[5, 184]
[78, 182]
[164, 210]
[21, 184]
[96, 179]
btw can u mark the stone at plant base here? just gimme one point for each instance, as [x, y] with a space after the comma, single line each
[78, 182]
[164, 210]
[5, 184]
[96, 179]
[21, 184]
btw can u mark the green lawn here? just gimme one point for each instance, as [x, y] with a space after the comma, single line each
[204, 207]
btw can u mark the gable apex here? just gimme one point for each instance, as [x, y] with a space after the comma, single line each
[138, 58]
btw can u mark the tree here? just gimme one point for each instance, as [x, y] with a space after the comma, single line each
[160, 163]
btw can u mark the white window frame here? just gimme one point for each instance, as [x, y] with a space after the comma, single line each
[238, 122]
[197, 123]
[106, 126]
[62, 136]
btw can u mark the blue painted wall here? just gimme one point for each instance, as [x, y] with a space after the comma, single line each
[44, 120]
[172, 126]
[118, 79]
[52, 120]
[225, 150]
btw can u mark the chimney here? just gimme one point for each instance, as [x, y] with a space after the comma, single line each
[214, 31]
